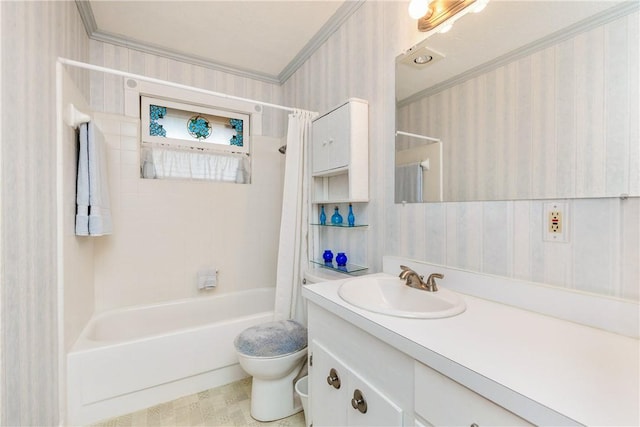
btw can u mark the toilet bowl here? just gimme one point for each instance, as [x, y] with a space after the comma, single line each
[273, 354]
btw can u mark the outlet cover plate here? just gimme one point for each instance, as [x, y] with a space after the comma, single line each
[552, 221]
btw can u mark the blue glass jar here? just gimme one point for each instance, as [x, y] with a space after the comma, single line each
[327, 256]
[351, 218]
[323, 216]
[336, 218]
[341, 259]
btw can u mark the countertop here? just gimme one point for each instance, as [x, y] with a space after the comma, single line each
[547, 370]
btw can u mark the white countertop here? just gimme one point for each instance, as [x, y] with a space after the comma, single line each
[547, 370]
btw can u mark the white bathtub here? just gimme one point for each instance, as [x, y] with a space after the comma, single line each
[133, 358]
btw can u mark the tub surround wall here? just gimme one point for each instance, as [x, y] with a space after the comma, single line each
[166, 230]
[502, 238]
[76, 258]
[33, 35]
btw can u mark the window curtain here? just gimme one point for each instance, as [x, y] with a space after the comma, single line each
[293, 244]
[190, 164]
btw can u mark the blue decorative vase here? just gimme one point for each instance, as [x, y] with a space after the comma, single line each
[351, 218]
[341, 259]
[323, 216]
[327, 256]
[336, 218]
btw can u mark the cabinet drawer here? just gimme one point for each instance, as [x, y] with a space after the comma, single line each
[442, 401]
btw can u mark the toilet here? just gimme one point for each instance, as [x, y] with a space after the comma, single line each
[273, 353]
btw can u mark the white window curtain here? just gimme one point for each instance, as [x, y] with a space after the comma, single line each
[160, 162]
[293, 245]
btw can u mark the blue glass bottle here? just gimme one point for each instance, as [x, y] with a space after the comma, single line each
[336, 218]
[327, 256]
[323, 216]
[341, 259]
[351, 218]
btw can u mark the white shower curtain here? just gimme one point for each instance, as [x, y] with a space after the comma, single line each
[293, 246]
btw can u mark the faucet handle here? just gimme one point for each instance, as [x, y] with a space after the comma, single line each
[404, 268]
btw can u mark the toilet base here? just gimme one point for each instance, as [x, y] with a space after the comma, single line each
[272, 400]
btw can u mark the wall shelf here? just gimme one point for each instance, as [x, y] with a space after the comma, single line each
[349, 268]
[343, 225]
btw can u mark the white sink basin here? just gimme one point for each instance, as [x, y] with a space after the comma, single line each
[391, 296]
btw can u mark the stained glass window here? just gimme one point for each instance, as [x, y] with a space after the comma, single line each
[173, 123]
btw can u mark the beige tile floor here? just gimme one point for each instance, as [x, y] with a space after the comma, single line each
[228, 405]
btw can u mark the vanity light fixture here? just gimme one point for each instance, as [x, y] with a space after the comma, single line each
[418, 8]
[422, 59]
[432, 13]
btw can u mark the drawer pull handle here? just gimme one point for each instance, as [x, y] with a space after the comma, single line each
[358, 402]
[333, 378]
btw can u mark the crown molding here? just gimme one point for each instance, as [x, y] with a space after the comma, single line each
[343, 13]
[590, 23]
[338, 18]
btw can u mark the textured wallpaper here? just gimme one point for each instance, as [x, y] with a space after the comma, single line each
[33, 35]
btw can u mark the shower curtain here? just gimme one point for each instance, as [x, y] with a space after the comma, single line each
[293, 245]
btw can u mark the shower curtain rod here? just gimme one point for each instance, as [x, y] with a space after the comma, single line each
[415, 135]
[91, 67]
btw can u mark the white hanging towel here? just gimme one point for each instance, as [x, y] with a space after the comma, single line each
[93, 215]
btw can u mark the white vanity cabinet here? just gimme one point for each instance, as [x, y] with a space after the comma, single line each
[398, 390]
[441, 401]
[343, 398]
[345, 363]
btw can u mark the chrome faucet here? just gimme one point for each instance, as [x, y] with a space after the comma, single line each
[414, 280]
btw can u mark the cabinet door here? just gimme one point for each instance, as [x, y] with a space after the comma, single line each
[442, 401]
[338, 137]
[327, 402]
[331, 406]
[319, 144]
[380, 410]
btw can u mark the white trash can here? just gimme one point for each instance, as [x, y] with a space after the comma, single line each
[302, 388]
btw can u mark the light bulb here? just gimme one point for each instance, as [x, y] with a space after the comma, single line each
[418, 8]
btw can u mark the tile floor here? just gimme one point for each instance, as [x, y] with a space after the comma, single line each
[228, 405]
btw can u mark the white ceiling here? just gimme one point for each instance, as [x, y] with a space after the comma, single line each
[267, 40]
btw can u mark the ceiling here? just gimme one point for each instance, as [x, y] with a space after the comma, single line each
[265, 40]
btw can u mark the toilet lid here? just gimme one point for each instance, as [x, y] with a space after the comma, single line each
[272, 339]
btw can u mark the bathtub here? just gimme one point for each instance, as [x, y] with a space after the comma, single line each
[129, 359]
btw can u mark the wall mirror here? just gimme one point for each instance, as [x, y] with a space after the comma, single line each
[525, 100]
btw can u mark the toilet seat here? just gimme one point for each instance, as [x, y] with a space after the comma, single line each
[272, 339]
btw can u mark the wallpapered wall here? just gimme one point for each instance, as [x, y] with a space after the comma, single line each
[33, 35]
[502, 238]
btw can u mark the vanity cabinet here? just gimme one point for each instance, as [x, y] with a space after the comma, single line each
[442, 401]
[343, 398]
[398, 390]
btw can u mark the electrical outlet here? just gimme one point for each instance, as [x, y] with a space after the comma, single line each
[555, 217]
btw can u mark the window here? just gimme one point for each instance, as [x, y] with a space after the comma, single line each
[185, 141]
[178, 124]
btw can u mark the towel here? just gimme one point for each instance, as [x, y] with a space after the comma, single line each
[409, 183]
[93, 215]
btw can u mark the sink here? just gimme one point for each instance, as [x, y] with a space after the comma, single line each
[391, 296]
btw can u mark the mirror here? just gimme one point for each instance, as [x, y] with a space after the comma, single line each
[525, 100]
